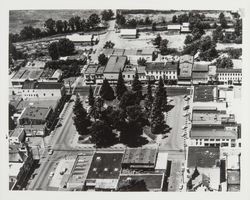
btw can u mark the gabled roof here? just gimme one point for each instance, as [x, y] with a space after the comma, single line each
[186, 58]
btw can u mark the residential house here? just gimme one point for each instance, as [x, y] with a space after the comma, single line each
[185, 27]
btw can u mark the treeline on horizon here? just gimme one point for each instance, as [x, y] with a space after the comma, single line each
[52, 27]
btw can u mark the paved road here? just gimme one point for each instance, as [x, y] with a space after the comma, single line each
[175, 120]
[103, 39]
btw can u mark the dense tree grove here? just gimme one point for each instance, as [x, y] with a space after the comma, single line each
[149, 99]
[120, 87]
[106, 91]
[107, 15]
[102, 59]
[109, 45]
[102, 134]
[91, 97]
[81, 119]
[53, 27]
[224, 62]
[64, 47]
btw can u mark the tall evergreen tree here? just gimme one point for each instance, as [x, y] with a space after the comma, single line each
[102, 135]
[120, 87]
[81, 120]
[158, 125]
[106, 91]
[136, 85]
[149, 98]
[91, 97]
[162, 94]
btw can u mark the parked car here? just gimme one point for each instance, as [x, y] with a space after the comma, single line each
[51, 174]
[51, 152]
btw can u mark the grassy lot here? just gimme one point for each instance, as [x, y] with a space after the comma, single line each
[21, 18]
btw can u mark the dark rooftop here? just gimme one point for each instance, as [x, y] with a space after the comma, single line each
[105, 166]
[139, 156]
[203, 93]
[115, 64]
[41, 85]
[200, 67]
[233, 176]
[92, 68]
[153, 181]
[206, 157]
[35, 113]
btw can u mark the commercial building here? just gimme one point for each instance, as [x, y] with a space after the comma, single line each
[204, 93]
[129, 73]
[138, 158]
[185, 27]
[85, 40]
[20, 164]
[128, 33]
[185, 70]
[113, 67]
[200, 73]
[17, 136]
[104, 171]
[42, 90]
[133, 55]
[205, 162]
[99, 74]
[174, 28]
[166, 70]
[229, 76]
[90, 74]
[35, 115]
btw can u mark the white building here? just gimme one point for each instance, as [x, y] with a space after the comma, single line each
[83, 39]
[42, 90]
[229, 76]
[155, 70]
[128, 33]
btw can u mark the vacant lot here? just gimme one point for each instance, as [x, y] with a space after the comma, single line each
[36, 18]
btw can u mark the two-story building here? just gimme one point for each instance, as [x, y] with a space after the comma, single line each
[166, 70]
[42, 90]
[185, 70]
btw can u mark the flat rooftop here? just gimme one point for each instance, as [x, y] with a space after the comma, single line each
[92, 68]
[105, 166]
[186, 58]
[233, 177]
[200, 67]
[205, 157]
[115, 64]
[212, 132]
[204, 93]
[35, 113]
[161, 66]
[185, 69]
[153, 181]
[139, 156]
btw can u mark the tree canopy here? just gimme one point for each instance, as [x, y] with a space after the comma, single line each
[106, 91]
[102, 135]
[133, 185]
[120, 87]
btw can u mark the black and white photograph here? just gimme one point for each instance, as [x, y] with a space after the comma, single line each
[125, 100]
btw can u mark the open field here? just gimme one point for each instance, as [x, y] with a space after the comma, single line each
[36, 18]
